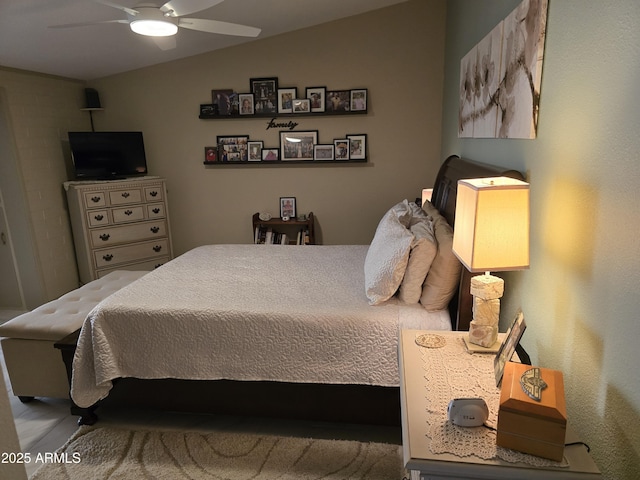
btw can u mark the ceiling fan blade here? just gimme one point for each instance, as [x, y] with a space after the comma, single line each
[84, 24]
[130, 11]
[165, 43]
[179, 8]
[223, 28]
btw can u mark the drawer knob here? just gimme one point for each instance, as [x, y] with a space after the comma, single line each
[157, 248]
[104, 237]
[154, 229]
[96, 199]
[99, 217]
[108, 257]
[156, 210]
[125, 194]
[128, 212]
[153, 194]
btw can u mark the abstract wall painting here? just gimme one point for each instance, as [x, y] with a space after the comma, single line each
[500, 77]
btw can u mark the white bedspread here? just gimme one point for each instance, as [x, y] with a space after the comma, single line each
[247, 312]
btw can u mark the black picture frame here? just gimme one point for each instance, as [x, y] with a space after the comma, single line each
[338, 101]
[207, 110]
[270, 154]
[246, 104]
[508, 347]
[317, 97]
[286, 96]
[323, 152]
[222, 100]
[357, 146]
[301, 105]
[358, 100]
[288, 207]
[265, 92]
[210, 154]
[297, 145]
[232, 148]
[341, 148]
[254, 150]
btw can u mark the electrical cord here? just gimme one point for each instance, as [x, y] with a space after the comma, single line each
[566, 444]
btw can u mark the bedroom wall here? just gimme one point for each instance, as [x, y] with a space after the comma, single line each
[580, 295]
[37, 111]
[397, 53]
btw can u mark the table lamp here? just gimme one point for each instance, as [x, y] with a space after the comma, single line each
[491, 234]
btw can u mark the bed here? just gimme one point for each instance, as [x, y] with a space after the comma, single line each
[309, 332]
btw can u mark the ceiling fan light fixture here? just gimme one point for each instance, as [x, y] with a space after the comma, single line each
[154, 28]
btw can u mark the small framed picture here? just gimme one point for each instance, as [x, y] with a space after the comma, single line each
[270, 154]
[285, 99]
[316, 96]
[301, 105]
[223, 101]
[255, 150]
[207, 110]
[232, 148]
[357, 146]
[247, 106]
[323, 152]
[297, 145]
[265, 91]
[358, 100]
[505, 352]
[342, 148]
[338, 101]
[210, 154]
[288, 207]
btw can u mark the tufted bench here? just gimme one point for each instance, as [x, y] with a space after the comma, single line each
[35, 367]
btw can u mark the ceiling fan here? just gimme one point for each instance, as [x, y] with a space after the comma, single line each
[153, 21]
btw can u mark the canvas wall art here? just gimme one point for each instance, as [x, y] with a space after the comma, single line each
[500, 77]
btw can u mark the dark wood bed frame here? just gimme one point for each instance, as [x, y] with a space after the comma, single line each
[319, 402]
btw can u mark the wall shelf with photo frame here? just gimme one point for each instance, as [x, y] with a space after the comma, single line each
[296, 147]
[266, 98]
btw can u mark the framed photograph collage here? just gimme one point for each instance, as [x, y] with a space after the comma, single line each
[265, 97]
[295, 146]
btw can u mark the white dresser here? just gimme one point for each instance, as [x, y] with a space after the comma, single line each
[119, 225]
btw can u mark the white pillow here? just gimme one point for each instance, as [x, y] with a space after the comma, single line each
[423, 251]
[387, 258]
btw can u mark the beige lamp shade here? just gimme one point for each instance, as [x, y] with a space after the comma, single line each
[492, 224]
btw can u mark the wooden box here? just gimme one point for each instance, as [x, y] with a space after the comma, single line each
[528, 425]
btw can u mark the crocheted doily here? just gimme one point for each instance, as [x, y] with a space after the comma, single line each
[452, 372]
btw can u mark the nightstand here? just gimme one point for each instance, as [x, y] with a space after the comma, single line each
[434, 449]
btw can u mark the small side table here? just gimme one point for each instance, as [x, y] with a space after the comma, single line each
[426, 465]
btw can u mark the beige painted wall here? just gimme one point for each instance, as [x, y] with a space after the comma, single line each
[580, 296]
[397, 53]
[40, 110]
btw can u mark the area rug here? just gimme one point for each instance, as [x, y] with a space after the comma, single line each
[100, 453]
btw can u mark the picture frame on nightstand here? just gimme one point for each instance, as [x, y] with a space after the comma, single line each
[508, 347]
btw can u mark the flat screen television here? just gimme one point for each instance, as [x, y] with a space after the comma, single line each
[107, 155]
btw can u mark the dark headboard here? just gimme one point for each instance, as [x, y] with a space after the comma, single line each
[443, 198]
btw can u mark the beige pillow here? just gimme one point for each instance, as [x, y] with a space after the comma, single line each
[423, 251]
[444, 274]
[387, 258]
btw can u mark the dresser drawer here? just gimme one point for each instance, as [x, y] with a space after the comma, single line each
[128, 214]
[146, 265]
[153, 194]
[131, 253]
[97, 218]
[102, 237]
[156, 210]
[95, 199]
[124, 197]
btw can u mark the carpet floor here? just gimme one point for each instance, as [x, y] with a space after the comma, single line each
[100, 453]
